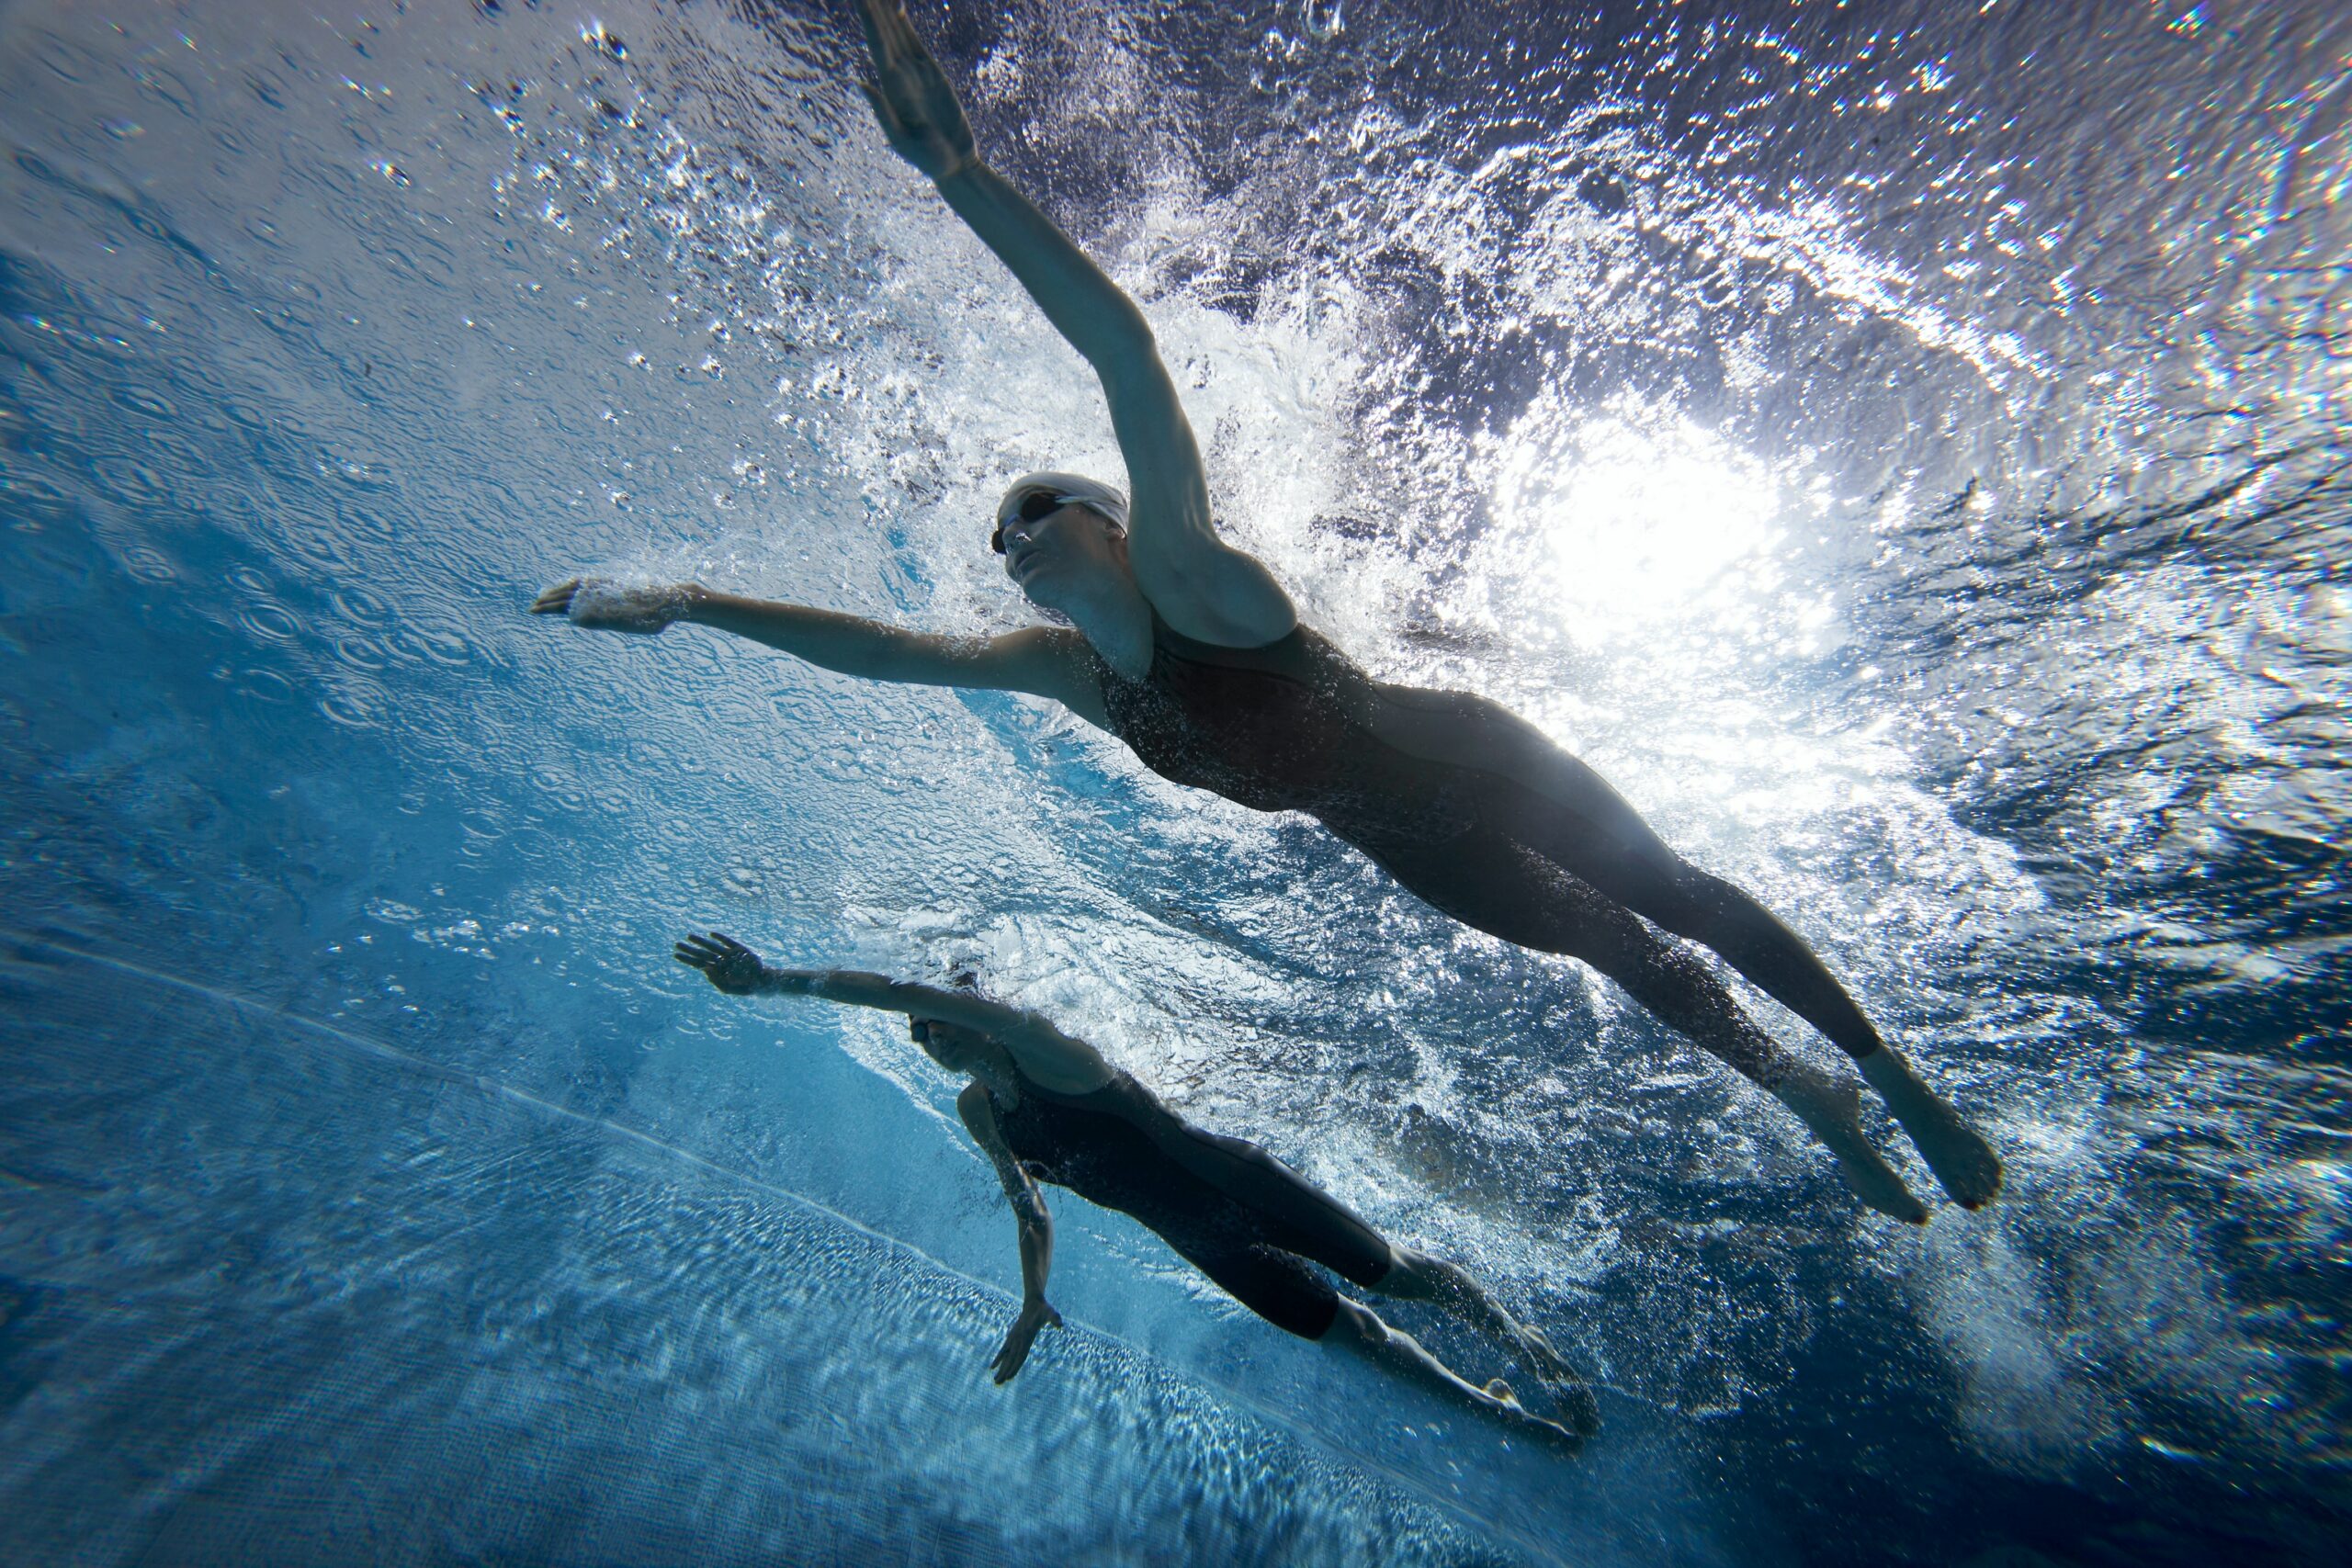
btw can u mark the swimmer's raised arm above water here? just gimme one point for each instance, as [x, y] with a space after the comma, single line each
[1188, 651]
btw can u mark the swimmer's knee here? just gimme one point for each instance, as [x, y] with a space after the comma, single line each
[1727, 918]
[1352, 1326]
[1407, 1278]
[1415, 1275]
[1677, 897]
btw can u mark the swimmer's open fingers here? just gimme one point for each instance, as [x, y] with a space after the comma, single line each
[877, 18]
[733, 951]
[890, 35]
[726, 962]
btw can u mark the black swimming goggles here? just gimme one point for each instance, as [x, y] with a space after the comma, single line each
[1040, 504]
[1035, 507]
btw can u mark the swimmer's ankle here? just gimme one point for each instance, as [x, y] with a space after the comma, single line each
[1831, 1110]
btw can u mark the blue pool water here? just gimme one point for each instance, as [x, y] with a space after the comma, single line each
[1903, 444]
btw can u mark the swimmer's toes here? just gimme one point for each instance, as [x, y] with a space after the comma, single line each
[1566, 1440]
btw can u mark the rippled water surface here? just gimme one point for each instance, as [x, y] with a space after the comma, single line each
[1902, 445]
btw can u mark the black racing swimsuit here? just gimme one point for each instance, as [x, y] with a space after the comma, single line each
[1288, 727]
[1295, 725]
[1237, 1214]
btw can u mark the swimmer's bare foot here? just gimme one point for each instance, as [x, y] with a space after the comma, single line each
[1832, 1111]
[1577, 1406]
[1956, 1152]
[1576, 1409]
[1415, 1275]
[1547, 1364]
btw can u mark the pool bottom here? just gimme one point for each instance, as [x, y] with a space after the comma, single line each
[275, 1293]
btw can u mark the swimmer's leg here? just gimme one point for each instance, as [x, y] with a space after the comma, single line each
[1223, 1241]
[1359, 1331]
[1660, 886]
[1707, 909]
[1304, 1221]
[1415, 1275]
[1508, 890]
[1575, 819]
[1552, 801]
[1691, 903]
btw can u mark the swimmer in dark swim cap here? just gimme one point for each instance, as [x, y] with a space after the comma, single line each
[1189, 650]
[1044, 1107]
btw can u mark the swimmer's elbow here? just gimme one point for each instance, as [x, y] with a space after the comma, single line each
[1123, 350]
[1134, 329]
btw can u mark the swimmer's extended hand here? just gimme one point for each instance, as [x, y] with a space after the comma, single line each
[724, 961]
[608, 606]
[917, 107]
[1037, 1314]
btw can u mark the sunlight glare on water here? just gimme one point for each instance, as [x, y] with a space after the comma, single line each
[1645, 525]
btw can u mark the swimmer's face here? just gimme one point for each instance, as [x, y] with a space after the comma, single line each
[951, 1045]
[1063, 556]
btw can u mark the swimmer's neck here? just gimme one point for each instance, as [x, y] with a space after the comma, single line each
[1116, 619]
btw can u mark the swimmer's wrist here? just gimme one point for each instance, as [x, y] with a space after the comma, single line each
[789, 982]
[961, 173]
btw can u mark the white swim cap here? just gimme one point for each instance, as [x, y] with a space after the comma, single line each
[1070, 489]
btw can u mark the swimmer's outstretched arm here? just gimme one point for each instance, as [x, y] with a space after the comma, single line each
[736, 970]
[1044, 661]
[1043, 1052]
[1200, 585]
[1036, 1232]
